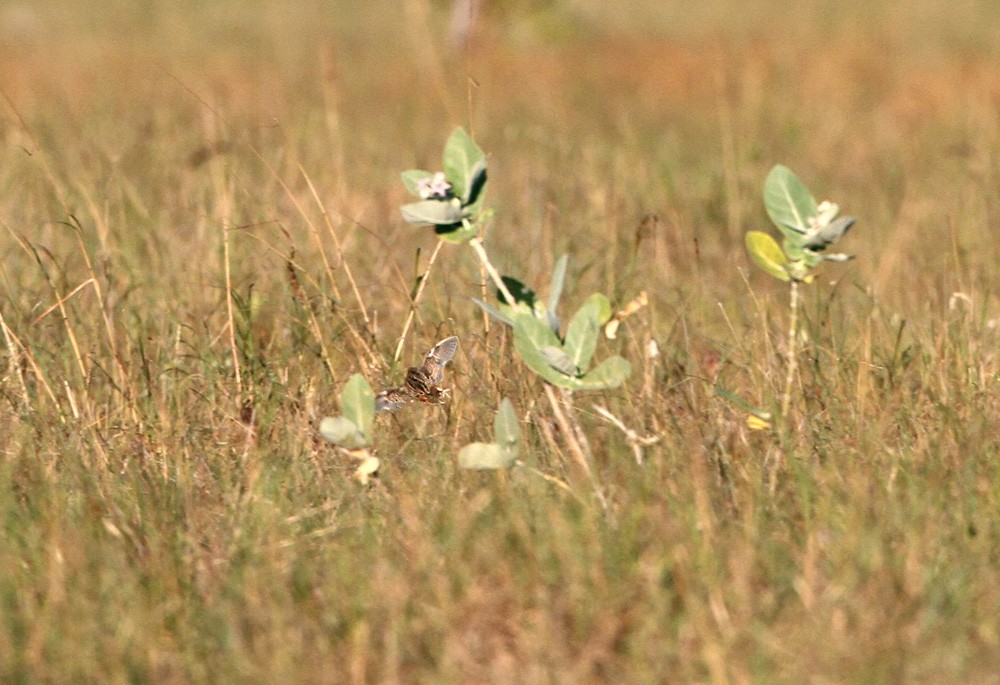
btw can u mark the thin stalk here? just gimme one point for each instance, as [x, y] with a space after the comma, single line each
[123, 381]
[477, 245]
[233, 347]
[340, 252]
[575, 439]
[60, 304]
[416, 299]
[14, 366]
[793, 324]
[551, 479]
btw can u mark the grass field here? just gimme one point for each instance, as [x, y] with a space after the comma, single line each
[201, 242]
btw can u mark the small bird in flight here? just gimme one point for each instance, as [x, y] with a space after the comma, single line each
[422, 383]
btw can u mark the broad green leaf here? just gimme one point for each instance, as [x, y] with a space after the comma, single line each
[530, 335]
[358, 404]
[610, 373]
[767, 254]
[584, 329]
[793, 249]
[559, 360]
[555, 291]
[461, 160]
[342, 431]
[506, 430]
[535, 331]
[436, 212]
[485, 456]
[412, 177]
[788, 201]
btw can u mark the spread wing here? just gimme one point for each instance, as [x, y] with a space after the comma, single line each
[439, 356]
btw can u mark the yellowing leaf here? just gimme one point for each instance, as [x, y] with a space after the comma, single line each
[767, 254]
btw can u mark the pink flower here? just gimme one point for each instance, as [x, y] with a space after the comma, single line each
[434, 188]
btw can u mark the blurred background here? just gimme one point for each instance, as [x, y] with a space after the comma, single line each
[677, 108]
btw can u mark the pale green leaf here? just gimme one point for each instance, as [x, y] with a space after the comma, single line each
[462, 159]
[436, 212]
[559, 360]
[788, 202]
[506, 430]
[530, 335]
[534, 330]
[555, 291]
[485, 456]
[342, 431]
[494, 312]
[358, 404]
[610, 373]
[584, 329]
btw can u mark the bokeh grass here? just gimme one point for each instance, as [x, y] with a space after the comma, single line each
[178, 317]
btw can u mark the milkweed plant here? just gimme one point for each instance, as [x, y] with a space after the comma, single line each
[807, 228]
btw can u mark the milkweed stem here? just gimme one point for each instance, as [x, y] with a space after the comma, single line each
[793, 324]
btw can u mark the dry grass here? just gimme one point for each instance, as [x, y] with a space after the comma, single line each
[201, 242]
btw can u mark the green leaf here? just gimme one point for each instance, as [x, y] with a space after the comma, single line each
[506, 430]
[495, 313]
[555, 291]
[485, 456]
[358, 404]
[436, 212]
[767, 254]
[793, 249]
[788, 202]
[461, 160]
[610, 373]
[534, 330]
[342, 431]
[811, 259]
[530, 335]
[584, 329]
[559, 360]
[412, 177]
